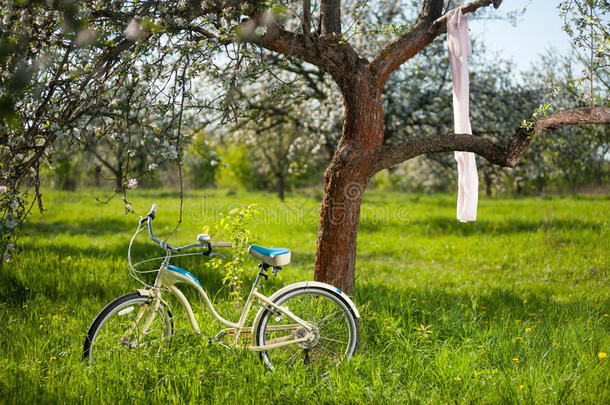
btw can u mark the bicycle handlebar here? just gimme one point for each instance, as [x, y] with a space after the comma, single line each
[164, 244]
[153, 210]
[221, 244]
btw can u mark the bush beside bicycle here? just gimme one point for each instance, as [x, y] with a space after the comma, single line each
[234, 227]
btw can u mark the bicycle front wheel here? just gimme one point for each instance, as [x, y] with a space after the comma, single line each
[336, 330]
[128, 327]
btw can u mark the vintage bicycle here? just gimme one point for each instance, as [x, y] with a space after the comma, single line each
[303, 323]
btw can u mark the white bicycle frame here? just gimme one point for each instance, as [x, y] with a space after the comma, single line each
[168, 276]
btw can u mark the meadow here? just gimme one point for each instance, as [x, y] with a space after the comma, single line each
[513, 308]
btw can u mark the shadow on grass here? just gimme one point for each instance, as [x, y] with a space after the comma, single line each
[420, 306]
[99, 226]
[451, 227]
[13, 291]
[139, 250]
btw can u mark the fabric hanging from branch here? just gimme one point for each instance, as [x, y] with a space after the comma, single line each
[459, 50]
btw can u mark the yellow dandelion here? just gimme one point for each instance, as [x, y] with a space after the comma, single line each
[457, 378]
[555, 344]
[521, 386]
[486, 308]
[61, 309]
[516, 360]
[606, 316]
[53, 358]
[517, 320]
[602, 355]
[41, 326]
[525, 301]
[54, 317]
[518, 338]
[479, 346]
[24, 306]
[528, 330]
[532, 314]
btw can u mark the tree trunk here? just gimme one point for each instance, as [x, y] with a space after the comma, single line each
[488, 182]
[345, 181]
[280, 186]
[119, 177]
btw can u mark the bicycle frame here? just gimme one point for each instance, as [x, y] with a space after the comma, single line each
[169, 276]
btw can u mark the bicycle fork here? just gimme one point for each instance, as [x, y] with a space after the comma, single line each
[134, 324]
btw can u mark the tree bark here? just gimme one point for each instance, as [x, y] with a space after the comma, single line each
[346, 179]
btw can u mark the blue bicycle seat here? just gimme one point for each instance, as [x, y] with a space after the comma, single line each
[273, 257]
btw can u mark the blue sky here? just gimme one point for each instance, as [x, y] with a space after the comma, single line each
[535, 32]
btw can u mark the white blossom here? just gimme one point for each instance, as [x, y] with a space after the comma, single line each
[260, 31]
[3, 189]
[10, 222]
[133, 31]
[132, 183]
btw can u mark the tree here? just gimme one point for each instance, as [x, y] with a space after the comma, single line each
[86, 72]
[361, 152]
[186, 29]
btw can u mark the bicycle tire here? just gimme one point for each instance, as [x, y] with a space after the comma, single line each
[313, 305]
[115, 329]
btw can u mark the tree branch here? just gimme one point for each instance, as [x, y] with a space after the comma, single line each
[330, 16]
[327, 55]
[440, 25]
[429, 26]
[306, 18]
[504, 156]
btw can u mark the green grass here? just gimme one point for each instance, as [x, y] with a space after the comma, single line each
[530, 268]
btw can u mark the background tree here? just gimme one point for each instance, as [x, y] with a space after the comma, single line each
[201, 161]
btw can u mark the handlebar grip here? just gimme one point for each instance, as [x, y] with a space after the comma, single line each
[153, 210]
[221, 244]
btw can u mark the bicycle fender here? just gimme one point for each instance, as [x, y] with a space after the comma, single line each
[308, 284]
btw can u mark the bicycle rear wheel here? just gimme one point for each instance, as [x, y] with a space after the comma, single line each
[335, 328]
[126, 328]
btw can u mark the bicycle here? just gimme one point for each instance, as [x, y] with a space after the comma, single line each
[309, 322]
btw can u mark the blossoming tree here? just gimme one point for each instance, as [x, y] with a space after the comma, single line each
[69, 68]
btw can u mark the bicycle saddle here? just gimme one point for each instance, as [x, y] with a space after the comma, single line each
[273, 257]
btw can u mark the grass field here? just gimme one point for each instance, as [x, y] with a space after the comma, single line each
[510, 309]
